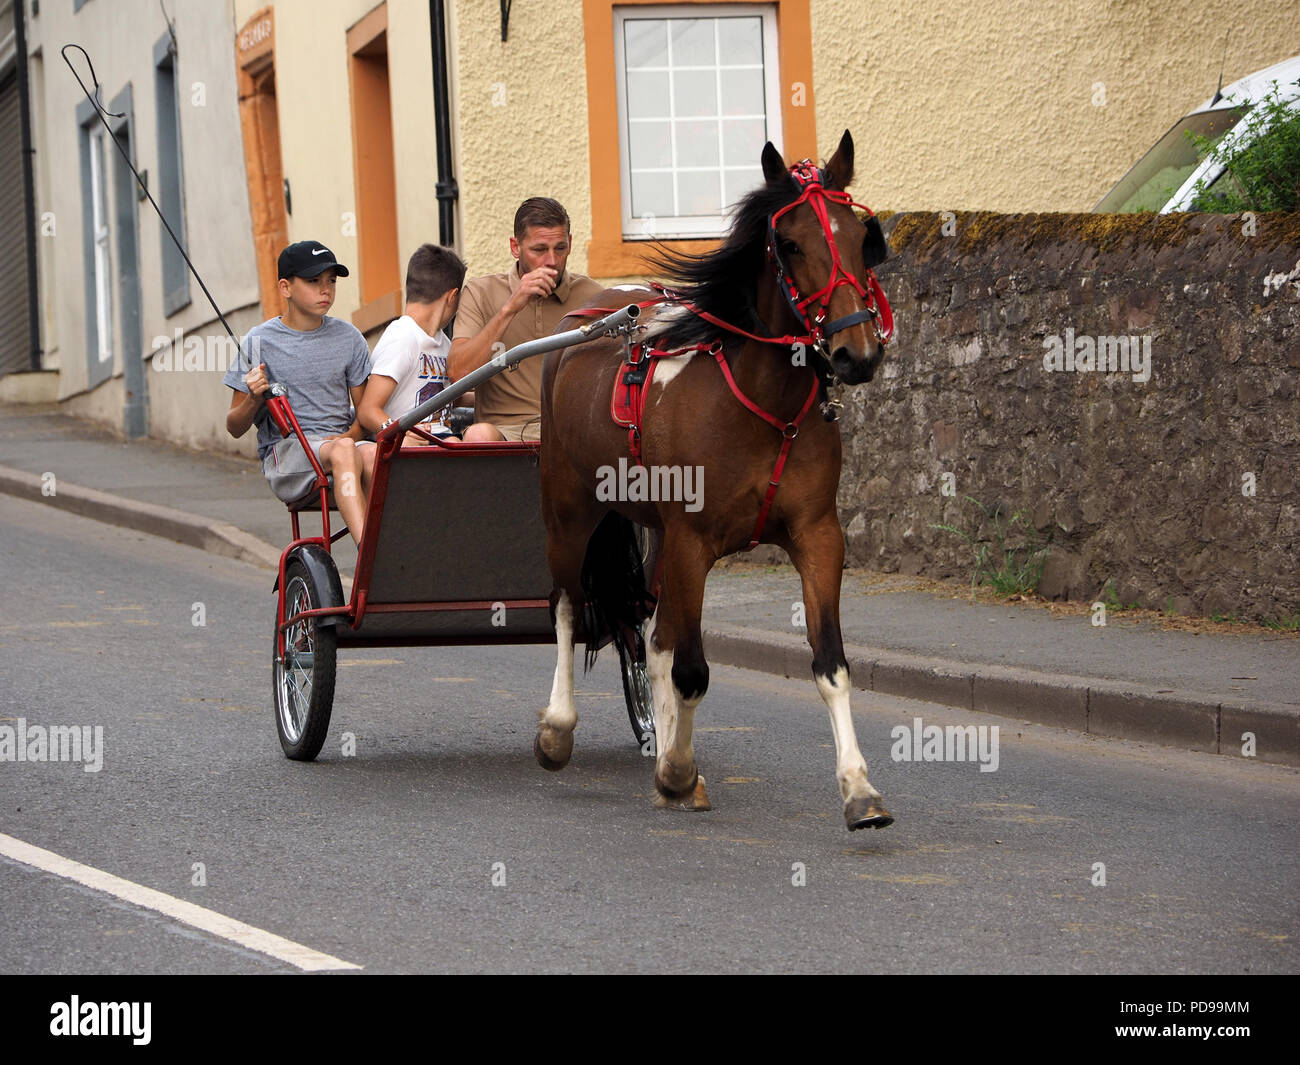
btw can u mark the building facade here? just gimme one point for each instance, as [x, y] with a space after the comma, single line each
[377, 127]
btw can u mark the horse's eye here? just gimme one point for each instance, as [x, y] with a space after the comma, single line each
[787, 247]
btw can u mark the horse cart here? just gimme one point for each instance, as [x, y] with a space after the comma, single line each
[490, 584]
[750, 338]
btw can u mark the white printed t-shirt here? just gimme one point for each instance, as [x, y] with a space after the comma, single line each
[418, 363]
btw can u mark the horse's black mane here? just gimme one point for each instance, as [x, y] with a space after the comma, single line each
[722, 282]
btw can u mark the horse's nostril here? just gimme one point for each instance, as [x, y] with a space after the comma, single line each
[853, 369]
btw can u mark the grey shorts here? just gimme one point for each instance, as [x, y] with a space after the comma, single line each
[287, 469]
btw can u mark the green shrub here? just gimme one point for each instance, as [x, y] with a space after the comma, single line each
[1264, 174]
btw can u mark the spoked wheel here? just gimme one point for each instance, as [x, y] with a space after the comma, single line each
[636, 683]
[631, 647]
[304, 677]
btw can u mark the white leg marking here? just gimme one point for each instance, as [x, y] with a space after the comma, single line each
[659, 664]
[850, 766]
[562, 713]
[674, 714]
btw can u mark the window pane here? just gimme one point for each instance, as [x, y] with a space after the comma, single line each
[647, 95]
[695, 113]
[698, 193]
[695, 92]
[652, 194]
[1163, 170]
[649, 144]
[738, 183]
[646, 41]
[697, 143]
[742, 141]
[740, 41]
[693, 44]
[742, 92]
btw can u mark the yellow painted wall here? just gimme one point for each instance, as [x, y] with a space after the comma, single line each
[991, 105]
[522, 123]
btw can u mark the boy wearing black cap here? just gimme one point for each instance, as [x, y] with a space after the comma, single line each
[324, 363]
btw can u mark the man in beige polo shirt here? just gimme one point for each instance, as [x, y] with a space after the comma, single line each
[500, 311]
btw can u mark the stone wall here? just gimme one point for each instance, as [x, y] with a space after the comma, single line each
[1180, 491]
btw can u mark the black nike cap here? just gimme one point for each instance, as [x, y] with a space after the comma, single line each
[309, 258]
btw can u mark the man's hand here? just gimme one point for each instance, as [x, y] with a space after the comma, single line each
[539, 282]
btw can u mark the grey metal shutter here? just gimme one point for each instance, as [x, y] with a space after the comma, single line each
[15, 330]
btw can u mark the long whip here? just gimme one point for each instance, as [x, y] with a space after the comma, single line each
[104, 116]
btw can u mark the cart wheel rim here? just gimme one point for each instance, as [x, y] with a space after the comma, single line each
[637, 691]
[645, 706]
[296, 673]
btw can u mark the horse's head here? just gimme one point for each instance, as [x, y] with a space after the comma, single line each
[823, 254]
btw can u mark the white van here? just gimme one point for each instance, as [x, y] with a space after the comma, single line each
[1165, 179]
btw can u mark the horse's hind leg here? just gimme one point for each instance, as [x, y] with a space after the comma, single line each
[818, 554]
[566, 546]
[679, 675]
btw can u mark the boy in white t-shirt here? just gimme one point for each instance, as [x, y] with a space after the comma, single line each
[409, 364]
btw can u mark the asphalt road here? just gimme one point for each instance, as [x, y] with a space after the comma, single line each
[387, 858]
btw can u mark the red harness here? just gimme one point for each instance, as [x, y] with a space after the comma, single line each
[632, 382]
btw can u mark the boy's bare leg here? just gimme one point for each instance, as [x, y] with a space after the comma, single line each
[340, 457]
[367, 453]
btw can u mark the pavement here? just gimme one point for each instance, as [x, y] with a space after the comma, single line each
[1130, 679]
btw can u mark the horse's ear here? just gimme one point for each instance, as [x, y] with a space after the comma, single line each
[839, 171]
[875, 249]
[774, 167]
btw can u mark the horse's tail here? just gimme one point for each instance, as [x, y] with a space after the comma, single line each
[613, 585]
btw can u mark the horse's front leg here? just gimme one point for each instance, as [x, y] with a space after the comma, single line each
[679, 675]
[818, 554]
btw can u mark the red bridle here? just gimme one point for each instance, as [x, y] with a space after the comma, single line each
[815, 194]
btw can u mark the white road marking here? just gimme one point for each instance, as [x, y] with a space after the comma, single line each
[178, 909]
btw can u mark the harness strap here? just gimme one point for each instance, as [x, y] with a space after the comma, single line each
[789, 430]
[785, 341]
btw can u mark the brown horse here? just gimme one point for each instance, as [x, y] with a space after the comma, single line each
[755, 353]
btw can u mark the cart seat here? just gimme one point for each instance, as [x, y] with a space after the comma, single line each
[311, 501]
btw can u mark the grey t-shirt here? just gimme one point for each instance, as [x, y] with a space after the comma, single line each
[317, 368]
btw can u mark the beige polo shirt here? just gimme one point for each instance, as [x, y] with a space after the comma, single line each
[514, 397]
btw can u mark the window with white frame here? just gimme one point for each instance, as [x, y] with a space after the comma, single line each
[698, 95]
[99, 232]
